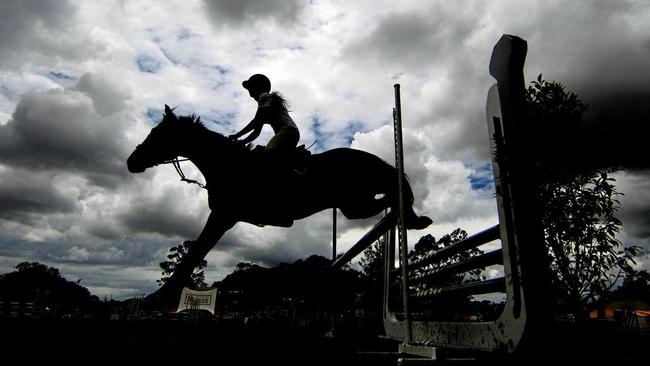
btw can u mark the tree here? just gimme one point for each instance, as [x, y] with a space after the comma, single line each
[450, 306]
[636, 286]
[428, 243]
[580, 200]
[372, 267]
[175, 258]
[40, 284]
[372, 261]
[311, 281]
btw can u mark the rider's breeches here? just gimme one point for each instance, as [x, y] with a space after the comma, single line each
[284, 141]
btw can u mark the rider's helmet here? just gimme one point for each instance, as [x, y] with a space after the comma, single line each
[258, 82]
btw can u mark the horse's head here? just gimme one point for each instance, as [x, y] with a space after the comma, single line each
[160, 146]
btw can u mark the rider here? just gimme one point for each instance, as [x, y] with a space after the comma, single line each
[271, 109]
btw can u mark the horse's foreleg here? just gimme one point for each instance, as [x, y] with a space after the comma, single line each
[214, 229]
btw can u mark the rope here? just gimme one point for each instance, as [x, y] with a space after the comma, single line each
[176, 163]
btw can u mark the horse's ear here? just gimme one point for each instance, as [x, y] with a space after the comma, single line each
[169, 112]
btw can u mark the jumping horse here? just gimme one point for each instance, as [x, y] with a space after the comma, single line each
[246, 185]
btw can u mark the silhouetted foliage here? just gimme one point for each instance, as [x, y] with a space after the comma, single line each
[372, 268]
[311, 282]
[175, 257]
[372, 260]
[579, 200]
[39, 284]
[428, 243]
[636, 286]
[563, 140]
[448, 308]
[451, 306]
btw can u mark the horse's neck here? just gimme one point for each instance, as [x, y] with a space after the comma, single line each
[206, 150]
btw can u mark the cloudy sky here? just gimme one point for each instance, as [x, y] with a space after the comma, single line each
[82, 83]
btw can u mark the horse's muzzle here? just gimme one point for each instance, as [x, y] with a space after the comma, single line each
[133, 166]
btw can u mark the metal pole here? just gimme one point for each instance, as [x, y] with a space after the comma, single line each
[389, 265]
[399, 162]
[334, 234]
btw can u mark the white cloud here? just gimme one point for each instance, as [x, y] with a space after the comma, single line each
[441, 187]
[78, 254]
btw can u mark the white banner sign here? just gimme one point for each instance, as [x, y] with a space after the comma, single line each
[197, 299]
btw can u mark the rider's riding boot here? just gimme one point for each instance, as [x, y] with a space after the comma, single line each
[284, 162]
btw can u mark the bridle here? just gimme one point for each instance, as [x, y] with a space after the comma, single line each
[176, 163]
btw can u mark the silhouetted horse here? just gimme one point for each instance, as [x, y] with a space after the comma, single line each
[245, 185]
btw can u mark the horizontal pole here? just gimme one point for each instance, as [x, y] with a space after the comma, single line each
[371, 236]
[479, 261]
[471, 242]
[466, 289]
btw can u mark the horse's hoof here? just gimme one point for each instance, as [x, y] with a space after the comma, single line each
[419, 223]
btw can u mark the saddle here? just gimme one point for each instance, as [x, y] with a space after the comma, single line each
[291, 161]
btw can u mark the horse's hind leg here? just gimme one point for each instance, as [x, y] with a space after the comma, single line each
[364, 205]
[412, 220]
[415, 222]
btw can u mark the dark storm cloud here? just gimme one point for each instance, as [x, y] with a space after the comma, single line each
[75, 130]
[269, 246]
[416, 41]
[622, 121]
[242, 12]
[637, 221]
[38, 30]
[20, 18]
[115, 254]
[166, 215]
[25, 196]
[600, 51]
[592, 45]
[300, 241]
[597, 49]
[635, 212]
[434, 44]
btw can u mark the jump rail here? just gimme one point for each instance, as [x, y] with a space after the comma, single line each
[522, 254]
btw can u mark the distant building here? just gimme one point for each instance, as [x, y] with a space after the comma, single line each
[627, 313]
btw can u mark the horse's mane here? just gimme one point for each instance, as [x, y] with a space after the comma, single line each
[196, 123]
[192, 119]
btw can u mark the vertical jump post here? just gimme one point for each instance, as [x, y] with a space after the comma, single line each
[399, 164]
[523, 323]
[334, 234]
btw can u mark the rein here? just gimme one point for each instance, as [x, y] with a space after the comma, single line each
[176, 163]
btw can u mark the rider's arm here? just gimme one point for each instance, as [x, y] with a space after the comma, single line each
[257, 129]
[249, 127]
[255, 125]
